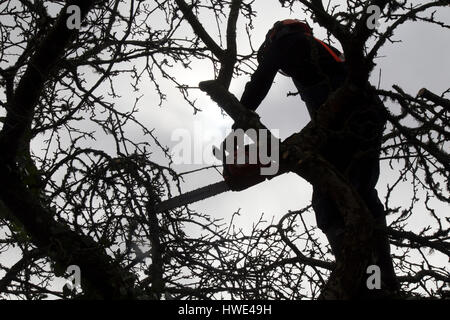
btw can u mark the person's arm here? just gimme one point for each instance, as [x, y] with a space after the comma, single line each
[261, 81]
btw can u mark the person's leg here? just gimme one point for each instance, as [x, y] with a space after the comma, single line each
[382, 246]
[365, 177]
[328, 220]
[335, 236]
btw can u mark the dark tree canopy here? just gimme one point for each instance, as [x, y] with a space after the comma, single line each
[68, 199]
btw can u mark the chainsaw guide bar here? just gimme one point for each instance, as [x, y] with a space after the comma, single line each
[193, 196]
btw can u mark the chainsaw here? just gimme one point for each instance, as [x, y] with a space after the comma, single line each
[237, 177]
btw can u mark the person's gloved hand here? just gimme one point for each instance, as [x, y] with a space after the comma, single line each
[240, 177]
[235, 125]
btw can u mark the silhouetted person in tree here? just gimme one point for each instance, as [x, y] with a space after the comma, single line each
[317, 70]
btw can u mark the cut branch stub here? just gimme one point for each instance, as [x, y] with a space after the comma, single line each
[242, 116]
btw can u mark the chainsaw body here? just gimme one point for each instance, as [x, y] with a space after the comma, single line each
[240, 176]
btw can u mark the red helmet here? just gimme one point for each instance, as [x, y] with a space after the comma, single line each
[289, 24]
[281, 28]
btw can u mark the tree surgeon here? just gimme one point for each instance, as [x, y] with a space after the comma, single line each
[317, 70]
